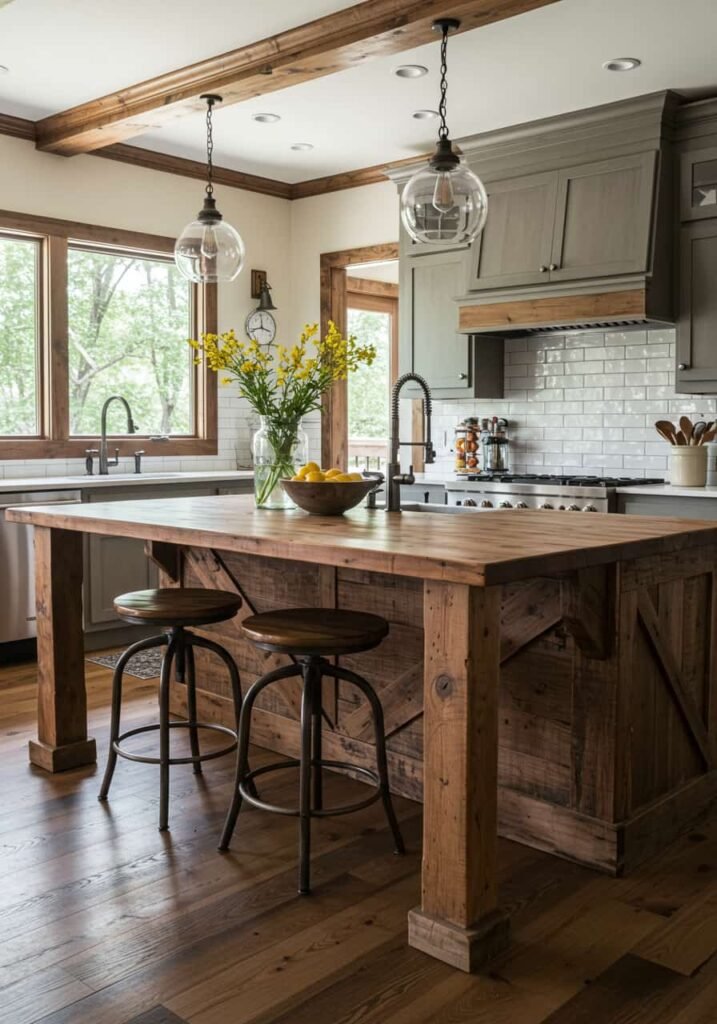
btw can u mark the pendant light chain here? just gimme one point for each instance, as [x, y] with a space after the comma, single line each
[442, 107]
[210, 149]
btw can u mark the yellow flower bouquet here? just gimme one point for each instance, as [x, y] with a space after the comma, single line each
[282, 385]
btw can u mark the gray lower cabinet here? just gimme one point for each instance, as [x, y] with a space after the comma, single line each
[115, 565]
[516, 245]
[697, 318]
[455, 365]
[592, 220]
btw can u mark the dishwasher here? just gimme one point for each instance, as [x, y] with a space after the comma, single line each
[17, 564]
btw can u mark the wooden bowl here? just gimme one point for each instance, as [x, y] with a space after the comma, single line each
[327, 499]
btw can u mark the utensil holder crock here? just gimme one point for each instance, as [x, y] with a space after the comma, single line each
[688, 466]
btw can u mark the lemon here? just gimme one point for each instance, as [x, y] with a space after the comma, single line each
[315, 477]
[355, 477]
[298, 477]
[331, 473]
[310, 467]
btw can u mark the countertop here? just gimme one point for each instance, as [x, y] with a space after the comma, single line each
[503, 547]
[87, 483]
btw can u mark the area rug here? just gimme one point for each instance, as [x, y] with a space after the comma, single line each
[143, 665]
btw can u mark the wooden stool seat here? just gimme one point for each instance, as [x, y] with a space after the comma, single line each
[181, 606]
[313, 632]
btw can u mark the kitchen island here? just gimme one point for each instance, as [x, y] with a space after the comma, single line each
[613, 616]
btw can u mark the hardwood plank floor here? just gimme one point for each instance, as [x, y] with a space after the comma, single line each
[104, 919]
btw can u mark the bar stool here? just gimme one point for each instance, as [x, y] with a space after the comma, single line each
[173, 611]
[310, 635]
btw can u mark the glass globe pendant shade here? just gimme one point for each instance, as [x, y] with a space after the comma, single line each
[444, 202]
[209, 250]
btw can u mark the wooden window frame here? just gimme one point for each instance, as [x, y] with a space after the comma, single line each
[56, 237]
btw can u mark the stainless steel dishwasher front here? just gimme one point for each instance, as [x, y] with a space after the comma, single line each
[17, 563]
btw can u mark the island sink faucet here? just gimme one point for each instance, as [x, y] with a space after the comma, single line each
[104, 461]
[394, 476]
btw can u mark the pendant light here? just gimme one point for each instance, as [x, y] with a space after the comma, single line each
[209, 249]
[444, 202]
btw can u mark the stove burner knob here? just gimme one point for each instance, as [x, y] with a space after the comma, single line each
[486, 504]
[546, 504]
[520, 504]
[589, 508]
[573, 508]
[504, 504]
[469, 503]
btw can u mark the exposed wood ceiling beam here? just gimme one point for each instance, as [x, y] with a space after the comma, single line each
[345, 39]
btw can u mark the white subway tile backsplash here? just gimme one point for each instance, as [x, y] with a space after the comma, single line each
[587, 401]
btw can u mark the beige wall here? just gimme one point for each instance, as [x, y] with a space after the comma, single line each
[337, 220]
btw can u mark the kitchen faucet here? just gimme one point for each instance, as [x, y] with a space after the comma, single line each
[393, 473]
[104, 461]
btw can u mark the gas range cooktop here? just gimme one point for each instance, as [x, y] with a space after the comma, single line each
[560, 479]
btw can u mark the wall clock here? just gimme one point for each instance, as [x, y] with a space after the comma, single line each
[261, 325]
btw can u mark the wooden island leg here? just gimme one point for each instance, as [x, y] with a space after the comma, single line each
[62, 741]
[459, 920]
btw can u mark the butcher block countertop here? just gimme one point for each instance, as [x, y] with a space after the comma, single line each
[500, 547]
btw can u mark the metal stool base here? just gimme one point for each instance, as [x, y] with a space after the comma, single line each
[195, 759]
[247, 790]
[311, 669]
[180, 644]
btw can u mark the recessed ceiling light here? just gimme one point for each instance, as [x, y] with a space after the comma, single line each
[266, 118]
[302, 147]
[424, 115]
[622, 64]
[411, 71]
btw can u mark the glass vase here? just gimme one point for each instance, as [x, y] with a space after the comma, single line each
[278, 449]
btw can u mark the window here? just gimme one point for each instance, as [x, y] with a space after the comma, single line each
[129, 318]
[89, 312]
[19, 337]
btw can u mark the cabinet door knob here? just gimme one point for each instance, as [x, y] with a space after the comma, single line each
[553, 266]
[462, 376]
[683, 366]
[543, 269]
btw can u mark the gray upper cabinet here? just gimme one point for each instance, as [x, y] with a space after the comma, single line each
[455, 365]
[516, 245]
[603, 218]
[589, 221]
[430, 342]
[697, 326]
[698, 184]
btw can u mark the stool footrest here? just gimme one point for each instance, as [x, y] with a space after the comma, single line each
[198, 759]
[342, 766]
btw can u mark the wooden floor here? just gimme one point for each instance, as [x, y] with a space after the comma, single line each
[105, 921]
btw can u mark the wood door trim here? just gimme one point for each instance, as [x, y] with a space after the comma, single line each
[303, 53]
[333, 288]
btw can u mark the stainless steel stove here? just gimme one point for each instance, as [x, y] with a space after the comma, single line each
[562, 492]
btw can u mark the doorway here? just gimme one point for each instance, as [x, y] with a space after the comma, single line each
[372, 316]
[335, 268]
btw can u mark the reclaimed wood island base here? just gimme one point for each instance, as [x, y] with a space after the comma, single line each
[556, 685]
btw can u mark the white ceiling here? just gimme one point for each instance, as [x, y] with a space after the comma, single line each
[536, 65]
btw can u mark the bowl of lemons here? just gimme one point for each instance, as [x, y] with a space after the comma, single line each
[327, 492]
